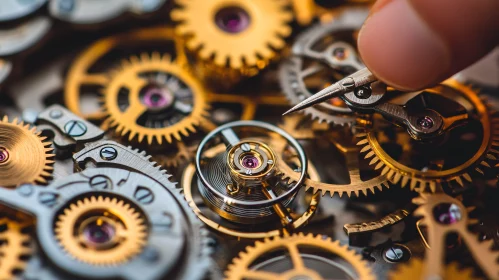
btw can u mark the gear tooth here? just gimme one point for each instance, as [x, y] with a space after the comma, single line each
[5, 119]
[220, 60]
[373, 160]
[385, 170]
[379, 165]
[362, 142]
[15, 121]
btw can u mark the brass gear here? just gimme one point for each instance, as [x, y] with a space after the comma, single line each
[129, 230]
[357, 185]
[125, 120]
[25, 156]
[266, 24]
[240, 268]
[413, 271]
[418, 180]
[14, 248]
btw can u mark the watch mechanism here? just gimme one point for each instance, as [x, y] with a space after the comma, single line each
[145, 140]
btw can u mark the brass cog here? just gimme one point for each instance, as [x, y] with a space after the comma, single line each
[243, 35]
[418, 179]
[413, 271]
[101, 230]
[25, 156]
[342, 141]
[241, 267]
[162, 106]
[14, 248]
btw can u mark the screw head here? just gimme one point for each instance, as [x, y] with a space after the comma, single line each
[75, 128]
[144, 195]
[108, 153]
[100, 182]
[55, 114]
[363, 92]
[425, 122]
[394, 253]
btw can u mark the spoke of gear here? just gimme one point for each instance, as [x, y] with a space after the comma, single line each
[419, 180]
[243, 35]
[121, 226]
[241, 267]
[25, 156]
[14, 248]
[152, 98]
[413, 271]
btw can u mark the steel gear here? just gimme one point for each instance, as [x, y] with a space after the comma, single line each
[434, 172]
[14, 248]
[413, 271]
[101, 230]
[239, 35]
[314, 65]
[25, 156]
[300, 250]
[161, 100]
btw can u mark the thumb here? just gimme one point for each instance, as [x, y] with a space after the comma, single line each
[412, 44]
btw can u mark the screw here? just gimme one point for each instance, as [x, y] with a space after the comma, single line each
[425, 122]
[75, 128]
[108, 153]
[25, 189]
[48, 199]
[144, 195]
[55, 114]
[150, 254]
[100, 182]
[246, 147]
[363, 92]
[394, 253]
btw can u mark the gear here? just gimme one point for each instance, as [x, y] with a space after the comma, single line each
[342, 140]
[14, 248]
[239, 36]
[443, 215]
[25, 156]
[431, 167]
[251, 263]
[154, 98]
[413, 271]
[83, 81]
[101, 230]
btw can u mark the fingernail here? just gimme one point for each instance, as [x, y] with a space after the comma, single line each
[398, 46]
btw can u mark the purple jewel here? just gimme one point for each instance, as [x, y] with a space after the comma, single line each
[4, 155]
[250, 161]
[99, 233]
[425, 122]
[232, 19]
[156, 98]
[447, 213]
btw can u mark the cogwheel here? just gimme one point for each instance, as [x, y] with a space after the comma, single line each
[437, 170]
[14, 247]
[249, 264]
[243, 35]
[153, 98]
[413, 271]
[101, 230]
[25, 156]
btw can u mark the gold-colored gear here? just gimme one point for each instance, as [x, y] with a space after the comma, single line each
[80, 73]
[25, 156]
[241, 265]
[129, 225]
[343, 143]
[247, 51]
[443, 215]
[413, 271]
[128, 76]
[14, 248]
[417, 179]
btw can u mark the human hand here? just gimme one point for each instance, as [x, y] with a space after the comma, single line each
[412, 44]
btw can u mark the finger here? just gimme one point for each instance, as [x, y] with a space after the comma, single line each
[412, 44]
